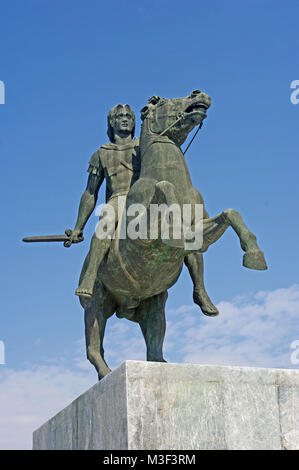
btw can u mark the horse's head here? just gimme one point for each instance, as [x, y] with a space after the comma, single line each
[161, 113]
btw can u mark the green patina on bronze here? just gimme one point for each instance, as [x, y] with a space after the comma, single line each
[131, 277]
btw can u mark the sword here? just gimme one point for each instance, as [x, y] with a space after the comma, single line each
[53, 238]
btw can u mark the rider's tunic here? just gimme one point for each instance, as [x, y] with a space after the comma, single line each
[119, 165]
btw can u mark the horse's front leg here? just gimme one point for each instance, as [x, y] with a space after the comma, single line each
[214, 228]
[194, 263]
[151, 317]
[253, 257]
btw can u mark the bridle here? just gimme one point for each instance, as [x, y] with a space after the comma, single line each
[178, 119]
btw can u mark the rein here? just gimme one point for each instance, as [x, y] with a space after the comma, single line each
[178, 119]
[180, 116]
[195, 134]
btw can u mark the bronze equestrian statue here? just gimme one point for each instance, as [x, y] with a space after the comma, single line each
[135, 275]
[131, 277]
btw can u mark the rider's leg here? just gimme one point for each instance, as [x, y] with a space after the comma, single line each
[194, 263]
[97, 251]
[99, 246]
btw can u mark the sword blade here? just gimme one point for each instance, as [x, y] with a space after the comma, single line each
[47, 238]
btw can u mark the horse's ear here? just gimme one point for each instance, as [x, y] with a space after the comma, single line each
[144, 111]
[154, 99]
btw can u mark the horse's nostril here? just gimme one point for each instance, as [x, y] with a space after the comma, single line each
[195, 92]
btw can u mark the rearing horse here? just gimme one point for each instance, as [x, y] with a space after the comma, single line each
[135, 275]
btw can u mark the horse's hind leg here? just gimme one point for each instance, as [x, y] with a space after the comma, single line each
[151, 317]
[96, 312]
[215, 227]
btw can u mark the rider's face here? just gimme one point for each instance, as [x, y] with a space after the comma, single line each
[123, 122]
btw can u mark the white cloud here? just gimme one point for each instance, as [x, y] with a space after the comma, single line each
[124, 340]
[256, 331]
[30, 397]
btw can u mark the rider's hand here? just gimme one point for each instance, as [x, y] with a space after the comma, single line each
[75, 236]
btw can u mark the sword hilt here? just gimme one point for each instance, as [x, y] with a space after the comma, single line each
[68, 233]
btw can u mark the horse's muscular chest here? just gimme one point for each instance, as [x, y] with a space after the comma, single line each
[165, 162]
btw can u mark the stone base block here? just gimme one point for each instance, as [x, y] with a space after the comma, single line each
[160, 406]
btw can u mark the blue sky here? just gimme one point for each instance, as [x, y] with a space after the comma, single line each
[64, 65]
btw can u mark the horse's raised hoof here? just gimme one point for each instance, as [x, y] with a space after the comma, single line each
[82, 292]
[254, 259]
[201, 298]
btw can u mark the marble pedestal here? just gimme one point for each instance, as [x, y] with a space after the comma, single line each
[155, 406]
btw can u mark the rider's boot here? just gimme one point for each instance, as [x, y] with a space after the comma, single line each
[194, 263]
[98, 249]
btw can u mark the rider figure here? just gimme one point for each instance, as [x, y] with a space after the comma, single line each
[118, 162]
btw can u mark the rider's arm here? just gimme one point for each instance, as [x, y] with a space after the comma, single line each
[88, 201]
